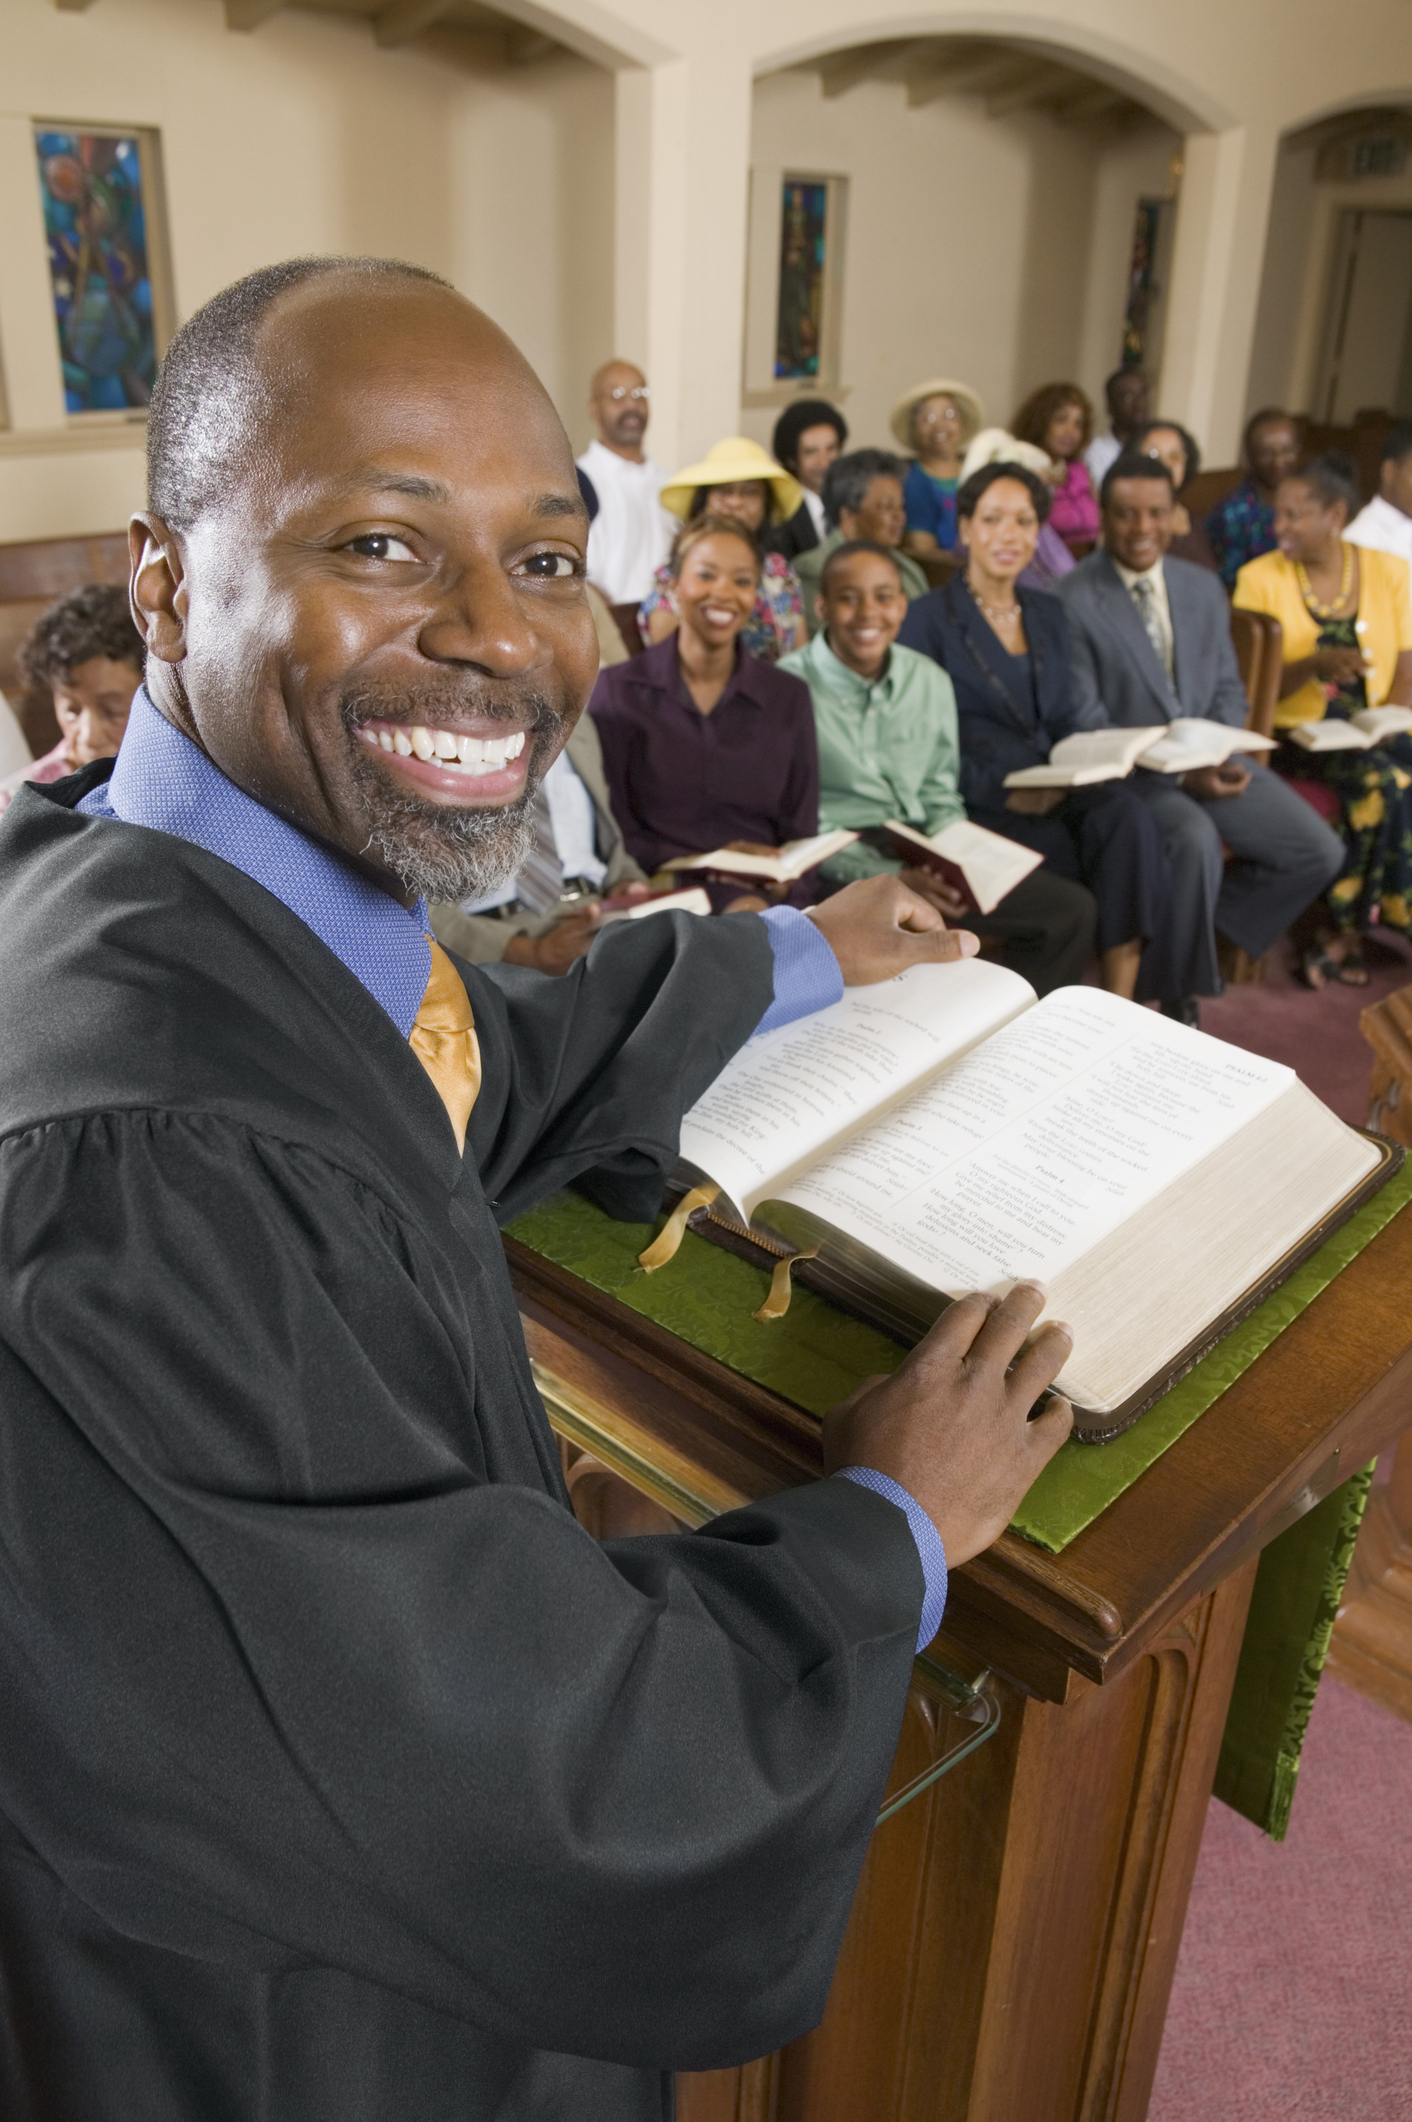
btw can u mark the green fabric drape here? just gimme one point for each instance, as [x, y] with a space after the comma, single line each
[1293, 1608]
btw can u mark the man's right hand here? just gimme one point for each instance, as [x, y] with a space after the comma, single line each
[877, 928]
[950, 1425]
[1035, 802]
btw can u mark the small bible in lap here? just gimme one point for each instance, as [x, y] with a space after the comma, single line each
[946, 1131]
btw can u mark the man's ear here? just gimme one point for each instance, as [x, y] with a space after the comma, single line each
[157, 587]
[821, 608]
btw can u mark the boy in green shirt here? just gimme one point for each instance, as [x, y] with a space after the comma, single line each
[888, 749]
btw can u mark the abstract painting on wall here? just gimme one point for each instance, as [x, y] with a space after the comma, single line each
[97, 191]
[804, 235]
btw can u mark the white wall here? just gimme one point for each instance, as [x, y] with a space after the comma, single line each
[1135, 165]
[995, 250]
[303, 136]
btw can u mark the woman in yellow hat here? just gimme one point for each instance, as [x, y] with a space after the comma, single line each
[937, 421]
[737, 478]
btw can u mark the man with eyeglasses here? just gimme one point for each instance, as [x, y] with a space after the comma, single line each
[632, 532]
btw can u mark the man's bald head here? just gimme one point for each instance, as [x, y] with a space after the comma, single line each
[212, 386]
[361, 580]
[618, 401]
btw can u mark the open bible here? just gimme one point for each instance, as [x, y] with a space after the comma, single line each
[984, 867]
[945, 1131]
[1370, 726]
[1177, 747]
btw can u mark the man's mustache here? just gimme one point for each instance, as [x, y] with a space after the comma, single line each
[445, 705]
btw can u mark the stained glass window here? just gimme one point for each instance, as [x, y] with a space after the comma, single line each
[803, 257]
[96, 211]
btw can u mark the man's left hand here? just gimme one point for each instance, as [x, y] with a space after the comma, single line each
[1209, 783]
[878, 928]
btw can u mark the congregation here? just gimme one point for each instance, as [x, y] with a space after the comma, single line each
[820, 639]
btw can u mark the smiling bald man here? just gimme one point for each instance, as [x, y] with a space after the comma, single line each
[344, 1777]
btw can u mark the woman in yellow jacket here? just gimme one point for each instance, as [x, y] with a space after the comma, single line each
[1346, 615]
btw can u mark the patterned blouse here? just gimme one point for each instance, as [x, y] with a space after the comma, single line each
[1241, 528]
[770, 631]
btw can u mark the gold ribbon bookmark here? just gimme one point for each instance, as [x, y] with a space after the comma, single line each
[781, 1288]
[664, 1246]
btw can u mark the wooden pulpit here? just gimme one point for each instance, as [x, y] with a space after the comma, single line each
[1013, 1940]
[1372, 1646]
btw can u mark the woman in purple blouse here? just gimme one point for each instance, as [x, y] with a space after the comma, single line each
[704, 745]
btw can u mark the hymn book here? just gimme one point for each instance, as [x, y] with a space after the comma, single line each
[946, 1131]
[984, 867]
[622, 908]
[788, 862]
[1089, 755]
[1193, 741]
[1359, 734]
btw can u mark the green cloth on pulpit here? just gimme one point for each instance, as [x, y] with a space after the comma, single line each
[817, 1354]
[1293, 1607]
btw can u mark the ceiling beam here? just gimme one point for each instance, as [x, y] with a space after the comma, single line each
[72, 7]
[249, 14]
[1095, 102]
[992, 69]
[402, 20]
[1040, 85]
[523, 47]
[846, 70]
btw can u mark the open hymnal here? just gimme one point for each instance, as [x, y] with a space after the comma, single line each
[984, 867]
[788, 862]
[1178, 747]
[1359, 734]
[1089, 755]
[1193, 741]
[694, 901]
[945, 1131]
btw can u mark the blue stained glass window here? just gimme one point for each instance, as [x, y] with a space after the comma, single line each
[95, 225]
[803, 235]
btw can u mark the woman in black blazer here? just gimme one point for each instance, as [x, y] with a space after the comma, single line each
[1006, 651]
[808, 436]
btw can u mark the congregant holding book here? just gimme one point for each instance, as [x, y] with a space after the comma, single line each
[889, 755]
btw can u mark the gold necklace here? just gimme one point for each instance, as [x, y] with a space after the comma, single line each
[1306, 587]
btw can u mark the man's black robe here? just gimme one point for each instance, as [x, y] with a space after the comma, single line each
[343, 1777]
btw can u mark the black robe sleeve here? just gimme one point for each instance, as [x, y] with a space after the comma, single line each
[585, 1078]
[289, 1683]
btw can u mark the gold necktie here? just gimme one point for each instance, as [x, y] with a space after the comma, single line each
[444, 1041]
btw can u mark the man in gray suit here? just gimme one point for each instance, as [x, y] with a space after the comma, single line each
[1152, 641]
[545, 916]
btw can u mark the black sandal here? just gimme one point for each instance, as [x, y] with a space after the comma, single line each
[1353, 969]
[1317, 968]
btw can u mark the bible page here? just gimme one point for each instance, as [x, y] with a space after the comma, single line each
[1030, 1149]
[788, 1096]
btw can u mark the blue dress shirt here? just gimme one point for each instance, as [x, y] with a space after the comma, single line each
[165, 782]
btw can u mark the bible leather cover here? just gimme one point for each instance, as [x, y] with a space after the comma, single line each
[833, 1281]
[914, 857]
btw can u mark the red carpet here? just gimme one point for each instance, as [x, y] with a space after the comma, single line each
[1316, 1034]
[1293, 1995]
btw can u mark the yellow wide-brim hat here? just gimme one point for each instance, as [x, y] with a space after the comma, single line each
[723, 464]
[967, 404]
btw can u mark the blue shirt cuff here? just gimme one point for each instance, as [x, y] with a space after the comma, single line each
[930, 1552]
[807, 977]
